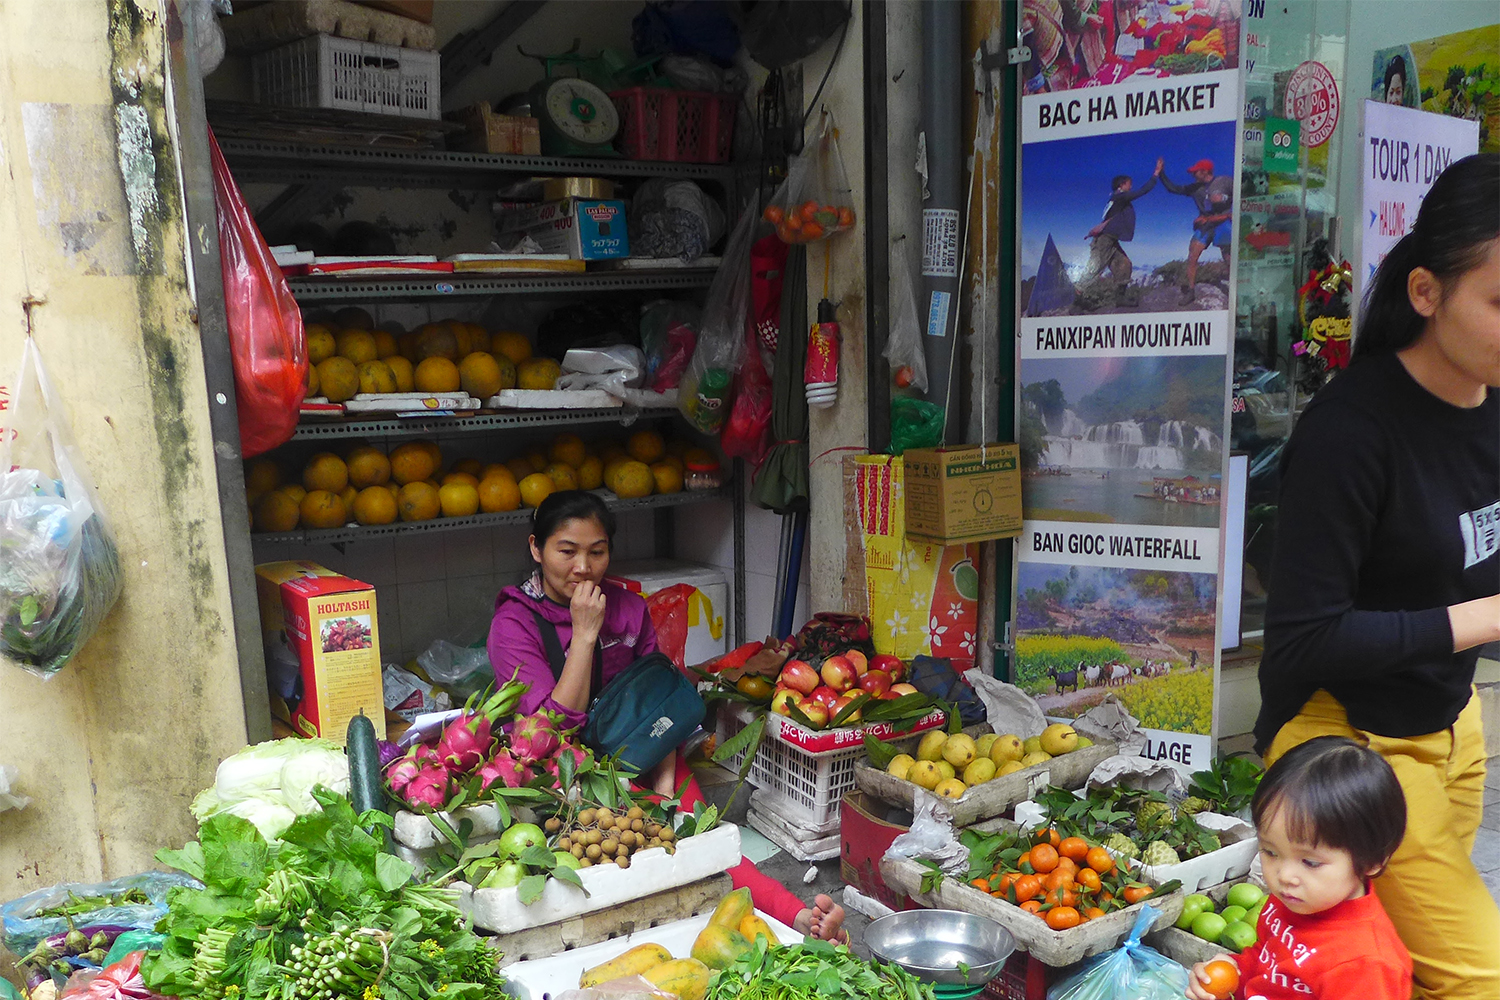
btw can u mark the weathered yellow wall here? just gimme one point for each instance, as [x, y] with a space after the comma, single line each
[91, 227]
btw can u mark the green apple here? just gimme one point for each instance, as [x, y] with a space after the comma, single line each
[1192, 906]
[1233, 913]
[1237, 936]
[1244, 894]
[1208, 926]
[505, 876]
[519, 837]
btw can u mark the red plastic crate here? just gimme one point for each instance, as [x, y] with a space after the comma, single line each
[675, 126]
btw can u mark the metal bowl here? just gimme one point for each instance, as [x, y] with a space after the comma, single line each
[930, 944]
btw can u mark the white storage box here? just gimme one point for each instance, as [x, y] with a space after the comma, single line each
[328, 72]
[541, 978]
[706, 639]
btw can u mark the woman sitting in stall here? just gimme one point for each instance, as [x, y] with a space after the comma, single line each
[570, 543]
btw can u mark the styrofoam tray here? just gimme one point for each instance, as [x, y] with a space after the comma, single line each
[653, 870]
[416, 831]
[777, 831]
[541, 978]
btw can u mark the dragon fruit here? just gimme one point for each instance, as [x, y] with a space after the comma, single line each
[534, 738]
[400, 773]
[505, 769]
[465, 743]
[429, 787]
[578, 754]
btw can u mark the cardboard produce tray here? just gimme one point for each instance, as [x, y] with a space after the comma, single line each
[996, 796]
[1055, 948]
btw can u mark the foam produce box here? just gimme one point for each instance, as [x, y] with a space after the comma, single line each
[542, 978]
[994, 797]
[502, 912]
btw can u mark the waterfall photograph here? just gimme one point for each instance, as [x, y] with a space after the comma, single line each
[1123, 440]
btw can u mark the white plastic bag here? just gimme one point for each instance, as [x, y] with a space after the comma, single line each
[721, 339]
[59, 568]
[1130, 972]
[931, 836]
[903, 344]
[10, 799]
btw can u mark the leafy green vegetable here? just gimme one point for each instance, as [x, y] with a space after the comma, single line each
[881, 753]
[323, 914]
[1230, 783]
[813, 970]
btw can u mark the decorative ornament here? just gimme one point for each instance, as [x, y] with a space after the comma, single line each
[1327, 327]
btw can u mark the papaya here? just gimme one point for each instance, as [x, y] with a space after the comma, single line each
[686, 977]
[718, 947]
[732, 909]
[635, 962]
[753, 926]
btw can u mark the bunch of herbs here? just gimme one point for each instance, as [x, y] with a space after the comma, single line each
[813, 970]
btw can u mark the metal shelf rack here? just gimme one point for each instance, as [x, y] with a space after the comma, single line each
[450, 426]
[454, 286]
[360, 532]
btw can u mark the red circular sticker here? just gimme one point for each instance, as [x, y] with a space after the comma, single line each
[1312, 98]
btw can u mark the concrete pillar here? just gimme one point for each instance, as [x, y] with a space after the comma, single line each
[93, 232]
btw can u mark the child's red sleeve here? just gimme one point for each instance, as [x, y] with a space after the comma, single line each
[1248, 963]
[1371, 978]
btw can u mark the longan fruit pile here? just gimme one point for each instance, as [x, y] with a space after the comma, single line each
[599, 837]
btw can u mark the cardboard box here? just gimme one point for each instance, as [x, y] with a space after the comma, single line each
[487, 132]
[417, 10]
[865, 835]
[322, 646]
[584, 229]
[963, 494]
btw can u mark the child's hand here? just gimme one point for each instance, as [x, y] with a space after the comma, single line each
[1195, 988]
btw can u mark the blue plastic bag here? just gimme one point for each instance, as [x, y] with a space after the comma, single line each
[1130, 972]
[20, 931]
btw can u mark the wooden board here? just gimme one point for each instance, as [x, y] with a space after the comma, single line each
[273, 24]
[996, 796]
[1186, 947]
[619, 921]
[1055, 948]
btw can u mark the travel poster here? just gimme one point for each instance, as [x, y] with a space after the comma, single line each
[1457, 75]
[1127, 208]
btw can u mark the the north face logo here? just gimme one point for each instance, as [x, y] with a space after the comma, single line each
[660, 727]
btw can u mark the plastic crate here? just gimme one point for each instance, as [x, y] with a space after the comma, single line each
[805, 784]
[675, 126]
[323, 71]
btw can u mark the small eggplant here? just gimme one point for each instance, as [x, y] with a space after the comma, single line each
[94, 957]
[76, 941]
[32, 975]
[99, 940]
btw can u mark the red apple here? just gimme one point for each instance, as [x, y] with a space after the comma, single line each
[861, 665]
[889, 664]
[799, 676]
[877, 682]
[902, 689]
[823, 695]
[839, 674]
[817, 715]
[888, 695]
[785, 697]
[839, 706]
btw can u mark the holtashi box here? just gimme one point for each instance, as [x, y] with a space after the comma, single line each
[970, 493]
[583, 229]
[322, 646]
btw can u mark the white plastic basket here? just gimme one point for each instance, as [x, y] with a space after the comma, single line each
[805, 784]
[323, 71]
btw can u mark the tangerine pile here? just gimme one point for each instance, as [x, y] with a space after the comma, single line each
[809, 221]
[1065, 881]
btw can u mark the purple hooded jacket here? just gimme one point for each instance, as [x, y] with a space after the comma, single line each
[627, 635]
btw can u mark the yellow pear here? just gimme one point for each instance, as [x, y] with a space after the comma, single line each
[946, 769]
[925, 774]
[1006, 748]
[931, 747]
[985, 744]
[1059, 738]
[1009, 767]
[980, 770]
[900, 766]
[959, 750]
[1040, 757]
[1031, 744]
[951, 788]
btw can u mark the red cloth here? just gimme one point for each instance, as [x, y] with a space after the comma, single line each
[1351, 950]
[770, 896]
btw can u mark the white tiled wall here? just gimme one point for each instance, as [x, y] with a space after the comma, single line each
[443, 585]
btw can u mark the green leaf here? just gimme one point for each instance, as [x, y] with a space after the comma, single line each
[530, 889]
[538, 857]
[29, 610]
[565, 874]
[188, 860]
[391, 872]
[446, 829]
[855, 704]
[742, 741]
[880, 752]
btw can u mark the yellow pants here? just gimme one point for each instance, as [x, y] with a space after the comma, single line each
[1431, 889]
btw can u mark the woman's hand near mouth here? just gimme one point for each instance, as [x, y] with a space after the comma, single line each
[587, 610]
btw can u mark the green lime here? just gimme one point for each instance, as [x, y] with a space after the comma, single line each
[966, 581]
[1192, 906]
[1237, 936]
[1209, 926]
[1244, 894]
[1232, 913]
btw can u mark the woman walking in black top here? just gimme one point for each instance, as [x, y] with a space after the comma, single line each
[1386, 579]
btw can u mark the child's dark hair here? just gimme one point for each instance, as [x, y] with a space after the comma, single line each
[1396, 67]
[569, 505]
[1334, 792]
[1458, 221]
[1120, 181]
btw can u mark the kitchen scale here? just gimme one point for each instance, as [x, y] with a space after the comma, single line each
[575, 117]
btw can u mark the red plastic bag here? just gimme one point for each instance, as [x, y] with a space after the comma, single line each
[265, 325]
[121, 981]
[747, 432]
[669, 614]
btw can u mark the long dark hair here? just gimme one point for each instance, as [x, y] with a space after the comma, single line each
[1458, 220]
[569, 505]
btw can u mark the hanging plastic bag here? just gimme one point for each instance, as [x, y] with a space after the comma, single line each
[1132, 971]
[669, 333]
[903, 345]
[815, 201]
[669, 616]
[721, 339]
[747, 434]
[265, 325]
[60, 573]
[915, 423]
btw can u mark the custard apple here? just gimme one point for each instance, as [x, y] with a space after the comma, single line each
[1153, 814]
[1122, 846]
[1192, 805]
[1159, 853]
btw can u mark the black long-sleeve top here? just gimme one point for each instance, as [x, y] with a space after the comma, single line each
[1119, 214]
[1389, 514]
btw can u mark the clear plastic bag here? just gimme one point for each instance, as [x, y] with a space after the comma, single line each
[721, 339]
[628, 988]
[460, 670]
[669, 334]
[903, 345]
[747, 434]
[815, 201]
[60, 572]
[1132, 971]
[266, 339]
[22, 929]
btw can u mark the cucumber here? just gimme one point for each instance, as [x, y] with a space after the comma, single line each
[366, 784]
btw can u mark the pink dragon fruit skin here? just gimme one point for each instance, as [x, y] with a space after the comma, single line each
[578, 754]
[402, 771]
[428, 788]
[505, 769]
[465, 743]
[424, 753]
[534, 738]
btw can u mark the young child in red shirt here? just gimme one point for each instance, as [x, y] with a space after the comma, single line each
[1330, 814]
